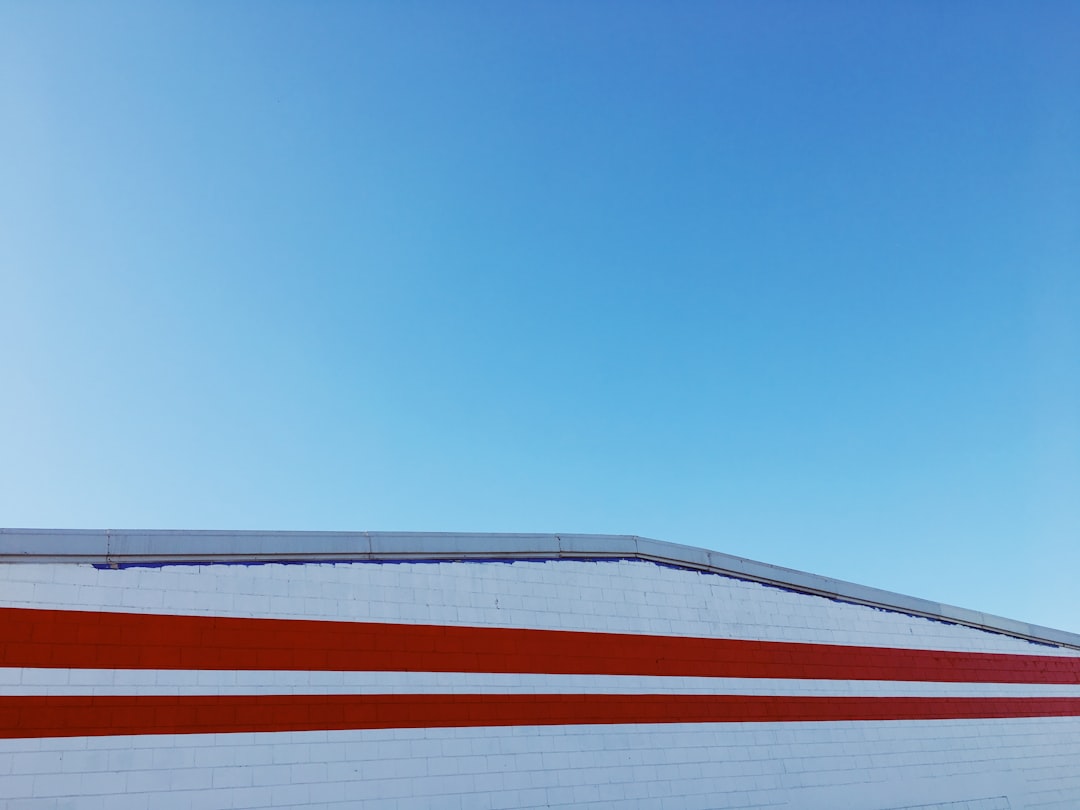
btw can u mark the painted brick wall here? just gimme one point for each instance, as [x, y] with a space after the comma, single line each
[508, 685]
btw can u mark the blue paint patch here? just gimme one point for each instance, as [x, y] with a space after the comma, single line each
[119, 566]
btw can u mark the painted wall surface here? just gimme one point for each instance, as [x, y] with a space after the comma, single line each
[510, 685]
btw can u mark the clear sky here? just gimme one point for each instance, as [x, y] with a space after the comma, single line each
[798, 281]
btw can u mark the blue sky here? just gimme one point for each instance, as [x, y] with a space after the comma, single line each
[795, 281]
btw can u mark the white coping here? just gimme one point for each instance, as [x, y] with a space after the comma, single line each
[124, 547]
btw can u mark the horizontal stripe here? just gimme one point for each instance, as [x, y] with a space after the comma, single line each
[98, 640]
[261, 682]
[27, 717]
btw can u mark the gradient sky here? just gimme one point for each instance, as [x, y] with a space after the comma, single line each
[795, 281]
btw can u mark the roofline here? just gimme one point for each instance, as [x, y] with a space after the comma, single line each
[117, 548]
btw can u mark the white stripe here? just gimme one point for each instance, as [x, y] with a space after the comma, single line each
[33, 681]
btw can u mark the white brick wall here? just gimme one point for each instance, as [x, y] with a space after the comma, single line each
[622, 596]
[871, 765]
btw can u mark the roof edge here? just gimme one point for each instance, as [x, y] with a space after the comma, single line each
[126, 547]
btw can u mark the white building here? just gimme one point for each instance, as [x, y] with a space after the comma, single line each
[266, 670]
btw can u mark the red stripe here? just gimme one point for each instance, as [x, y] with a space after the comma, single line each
[87, 639]
[70, 716]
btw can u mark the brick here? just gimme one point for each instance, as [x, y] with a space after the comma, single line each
[681, 765]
